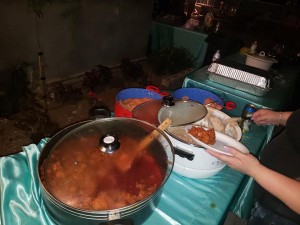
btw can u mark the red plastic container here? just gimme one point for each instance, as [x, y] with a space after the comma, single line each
[120, 111]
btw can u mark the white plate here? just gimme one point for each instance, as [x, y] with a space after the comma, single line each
[221, 141]
[222, 116]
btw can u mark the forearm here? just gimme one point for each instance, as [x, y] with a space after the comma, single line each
[282, 187]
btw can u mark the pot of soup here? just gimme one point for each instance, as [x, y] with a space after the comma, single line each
[98, 172]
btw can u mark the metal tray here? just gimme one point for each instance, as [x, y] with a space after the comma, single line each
[249, 88]
[240, 76]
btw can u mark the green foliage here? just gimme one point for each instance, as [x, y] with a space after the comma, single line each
[37, 6]
[170, 60]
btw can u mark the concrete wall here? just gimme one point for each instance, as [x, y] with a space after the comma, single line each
[75, 35]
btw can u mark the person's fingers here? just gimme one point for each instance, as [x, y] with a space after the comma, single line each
[213, 153]
[220, 156]
[231, 150]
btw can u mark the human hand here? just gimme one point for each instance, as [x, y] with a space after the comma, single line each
[242, 162]
[265, 117]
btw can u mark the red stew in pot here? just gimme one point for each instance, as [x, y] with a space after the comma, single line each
[80, 175]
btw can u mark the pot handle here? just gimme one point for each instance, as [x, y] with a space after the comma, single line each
[184, 154]
[157, 90]
[126, 221]
[229, 105]
[98, 112]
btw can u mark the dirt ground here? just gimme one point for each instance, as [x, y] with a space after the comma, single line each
[32, 123]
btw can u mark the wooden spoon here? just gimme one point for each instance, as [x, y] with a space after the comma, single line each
[167, 122]
[125, 161]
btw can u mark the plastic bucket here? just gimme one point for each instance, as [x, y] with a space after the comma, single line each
[197, 94]
[120, 111]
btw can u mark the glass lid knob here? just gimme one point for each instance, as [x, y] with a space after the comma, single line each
[109, 143]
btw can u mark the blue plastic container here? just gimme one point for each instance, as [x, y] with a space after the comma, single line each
[197, 94]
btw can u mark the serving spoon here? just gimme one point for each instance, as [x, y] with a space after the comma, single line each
[127, 160]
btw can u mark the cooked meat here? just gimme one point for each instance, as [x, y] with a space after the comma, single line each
[206, 136]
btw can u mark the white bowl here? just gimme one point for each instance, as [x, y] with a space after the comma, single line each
[202, 160]
[260, 61]
[202, 166]
[195, 173]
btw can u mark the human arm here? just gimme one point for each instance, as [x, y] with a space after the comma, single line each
[270, 117]
[282, 187]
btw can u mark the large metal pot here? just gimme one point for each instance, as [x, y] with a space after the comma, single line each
[96, 172]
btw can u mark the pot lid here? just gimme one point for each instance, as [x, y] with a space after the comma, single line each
[180, 112]
[101, 165]
[261, 57]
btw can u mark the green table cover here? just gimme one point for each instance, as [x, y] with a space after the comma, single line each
[184, 201]
[163, 36]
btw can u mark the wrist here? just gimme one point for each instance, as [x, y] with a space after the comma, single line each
[280, 120]
[256, 171]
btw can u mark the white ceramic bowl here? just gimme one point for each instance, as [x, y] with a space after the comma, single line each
[203, 165]
[202, 160]
[260, 61]
[195, 173]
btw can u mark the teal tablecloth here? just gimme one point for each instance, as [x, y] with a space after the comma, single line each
[163, 36]
[184, 201]
[278, 98]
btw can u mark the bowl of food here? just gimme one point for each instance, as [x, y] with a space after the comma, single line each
[260, 60]
[127, 99]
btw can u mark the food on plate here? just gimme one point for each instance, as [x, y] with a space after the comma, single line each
[180, 133]
[217, 123]
[211, 103]
[131, 103]
[223, 125]
[214, 119]
[206, 136]
[230, 130]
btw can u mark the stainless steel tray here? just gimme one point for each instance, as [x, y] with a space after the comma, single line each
[239, 76]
